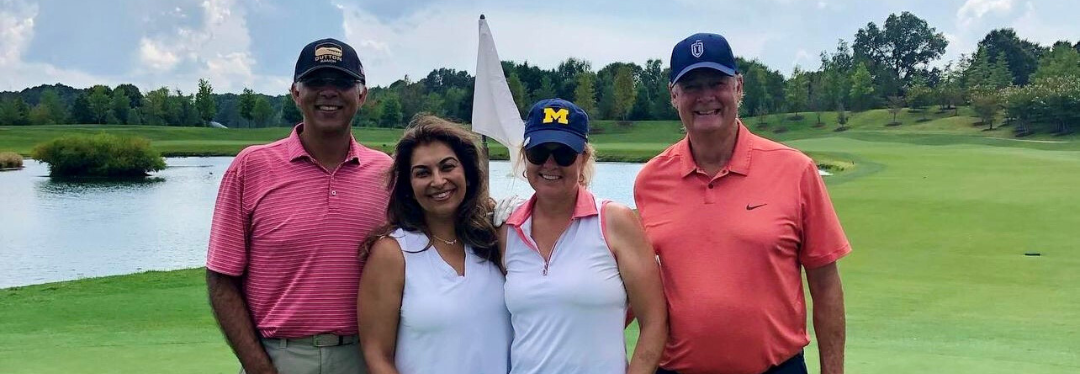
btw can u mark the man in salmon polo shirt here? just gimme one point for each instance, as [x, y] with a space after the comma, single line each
[734, 219]
[282, 268]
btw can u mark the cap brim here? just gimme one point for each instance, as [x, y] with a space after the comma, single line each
[316, 68]
[575, 142]
[705, 65]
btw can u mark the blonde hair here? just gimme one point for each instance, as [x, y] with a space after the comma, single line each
[588, 168]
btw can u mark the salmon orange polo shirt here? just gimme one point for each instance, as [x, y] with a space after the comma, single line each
[732, 248]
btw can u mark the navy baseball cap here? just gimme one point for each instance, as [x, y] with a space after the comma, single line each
[329, 54]
[702, 50]
[557, 121]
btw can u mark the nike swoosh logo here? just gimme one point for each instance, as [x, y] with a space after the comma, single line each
[752, 207]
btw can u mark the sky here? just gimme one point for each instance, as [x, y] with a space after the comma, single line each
[254, 43]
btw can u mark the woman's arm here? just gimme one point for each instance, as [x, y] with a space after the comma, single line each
[378, 305]
[641, 277]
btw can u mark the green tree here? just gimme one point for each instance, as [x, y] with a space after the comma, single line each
[247, 104]
[919, 97]
[14, 111]
[517, 90]
[1063, 60]
[155, 107]
[903, 47]
[40, 115]
[545, 91]
[135, 97]
[391, 112]
[625, 92]
[585, 93]
[896, 104]
[290, 113]
[100, 104]
[80, 109]
[262, 112]
[1022, 56]
[121, 105]
[862, 88]
[796, 91]
[987, 105]
[54, 106]
[204, 101]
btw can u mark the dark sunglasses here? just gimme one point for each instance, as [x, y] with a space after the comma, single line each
[538, 155]
[339, 83]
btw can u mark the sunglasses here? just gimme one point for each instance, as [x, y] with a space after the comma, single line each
[538, 155]
[339, 83]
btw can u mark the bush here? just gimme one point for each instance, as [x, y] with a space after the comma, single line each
[10, 160]
[100, 155]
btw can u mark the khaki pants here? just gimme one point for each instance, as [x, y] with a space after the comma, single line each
[302, 356]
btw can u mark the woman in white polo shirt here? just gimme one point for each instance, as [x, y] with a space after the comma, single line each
[575, 263]
[431, 292]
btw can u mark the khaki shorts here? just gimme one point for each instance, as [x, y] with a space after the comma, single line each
[320, 354]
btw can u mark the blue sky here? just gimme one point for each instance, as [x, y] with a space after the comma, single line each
[254, 43]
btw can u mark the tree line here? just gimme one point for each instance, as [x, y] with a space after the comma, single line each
[891, 66]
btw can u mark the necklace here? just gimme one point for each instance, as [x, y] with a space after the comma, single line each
[448, 242]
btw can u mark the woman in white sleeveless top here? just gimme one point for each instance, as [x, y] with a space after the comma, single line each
[430, 297]
[574, 263]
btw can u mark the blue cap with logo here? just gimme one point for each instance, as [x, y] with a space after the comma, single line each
[557, 121]
[329, 53]
[702, 50]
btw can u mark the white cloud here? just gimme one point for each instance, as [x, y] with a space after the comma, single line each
[219, 51]
[16, 30]
[156, 57]
[973, 10]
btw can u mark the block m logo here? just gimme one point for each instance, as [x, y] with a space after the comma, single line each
[562, 115]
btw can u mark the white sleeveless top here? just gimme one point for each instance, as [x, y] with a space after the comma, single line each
[449, 323]
[569, 313]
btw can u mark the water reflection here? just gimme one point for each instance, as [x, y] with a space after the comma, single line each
[76, 186]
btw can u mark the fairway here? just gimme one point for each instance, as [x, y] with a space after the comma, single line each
[937, 283]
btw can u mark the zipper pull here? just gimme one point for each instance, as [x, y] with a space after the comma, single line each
[545, 272]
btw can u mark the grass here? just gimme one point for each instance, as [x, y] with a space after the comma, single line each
[939, 215]
[10, 160]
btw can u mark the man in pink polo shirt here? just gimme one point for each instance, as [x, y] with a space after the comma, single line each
[734, 219]
[282, 266]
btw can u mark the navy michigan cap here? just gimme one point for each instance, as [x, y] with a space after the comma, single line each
[702, 50]
[329, 54]
[557, 121]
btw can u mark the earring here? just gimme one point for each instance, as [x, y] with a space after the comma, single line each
[523, 174]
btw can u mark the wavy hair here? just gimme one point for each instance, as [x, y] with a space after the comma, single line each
[472, 221]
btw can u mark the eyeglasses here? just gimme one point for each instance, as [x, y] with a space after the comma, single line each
[538, 155]
[341, 84]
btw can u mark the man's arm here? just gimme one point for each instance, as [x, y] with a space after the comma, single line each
[829, 322]
[231, 312]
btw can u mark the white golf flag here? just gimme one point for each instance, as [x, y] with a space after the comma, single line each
[494, 112]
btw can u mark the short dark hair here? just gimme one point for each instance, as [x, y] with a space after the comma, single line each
[473, 223]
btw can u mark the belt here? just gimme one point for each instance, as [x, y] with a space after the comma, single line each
[320, 340]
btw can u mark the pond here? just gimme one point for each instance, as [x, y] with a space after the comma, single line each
[55, 230]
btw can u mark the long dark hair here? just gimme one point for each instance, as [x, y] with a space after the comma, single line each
[472, 222]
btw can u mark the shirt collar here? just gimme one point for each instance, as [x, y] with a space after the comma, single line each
[296, 148]
[584, 207]
[740, 157]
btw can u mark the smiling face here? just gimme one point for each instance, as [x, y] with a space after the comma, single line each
[707, 101]
[551, 180]
[438, 179]
[329, 99]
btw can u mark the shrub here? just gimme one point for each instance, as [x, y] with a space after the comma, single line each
[101, 155]
[10, 160]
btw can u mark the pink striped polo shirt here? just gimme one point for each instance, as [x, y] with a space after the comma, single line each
[292, 229]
